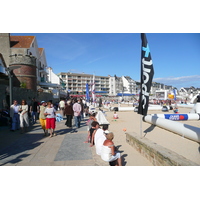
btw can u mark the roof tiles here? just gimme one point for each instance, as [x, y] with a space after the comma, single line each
[21, 41]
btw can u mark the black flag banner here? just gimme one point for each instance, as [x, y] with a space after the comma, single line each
[147, 73]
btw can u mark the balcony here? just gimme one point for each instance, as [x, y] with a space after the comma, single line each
[43, 70]
[42, 80]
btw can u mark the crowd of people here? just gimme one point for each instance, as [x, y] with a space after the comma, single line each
[23, 115]
[101, 138]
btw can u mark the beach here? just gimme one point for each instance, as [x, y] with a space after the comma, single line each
[130, 121]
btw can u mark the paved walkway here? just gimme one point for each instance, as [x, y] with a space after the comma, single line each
[65, 149]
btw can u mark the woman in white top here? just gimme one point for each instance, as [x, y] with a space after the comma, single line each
[50, 119]
[108, 150]
[24, 120]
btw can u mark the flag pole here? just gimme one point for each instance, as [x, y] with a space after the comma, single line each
[140, 126]
[146, 78]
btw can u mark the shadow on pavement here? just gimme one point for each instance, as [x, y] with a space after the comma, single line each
[18, 144]
[21, 146]
[16, 160]
[123, 159]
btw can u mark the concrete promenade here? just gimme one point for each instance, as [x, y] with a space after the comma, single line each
[65, 149]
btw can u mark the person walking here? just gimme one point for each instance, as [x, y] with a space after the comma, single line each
[24, 119]
[14, 114]
[34, 109]
[61, 106]
[42, 117]
[68, 111]
[82, 108]
[50, 119]
[77, 113]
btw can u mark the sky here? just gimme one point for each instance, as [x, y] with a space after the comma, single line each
[175, 56]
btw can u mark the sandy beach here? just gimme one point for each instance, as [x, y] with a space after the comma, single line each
[131, 122]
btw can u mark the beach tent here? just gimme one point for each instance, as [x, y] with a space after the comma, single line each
[101, 118]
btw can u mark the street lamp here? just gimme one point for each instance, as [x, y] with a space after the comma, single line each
[9, 70]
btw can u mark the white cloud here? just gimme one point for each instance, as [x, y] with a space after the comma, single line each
[183, 81]
[94, 60]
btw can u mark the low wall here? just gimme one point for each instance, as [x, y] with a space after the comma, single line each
[22, 93]
[156, 154]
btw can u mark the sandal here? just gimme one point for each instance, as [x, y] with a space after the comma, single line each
[51, 136]
[54, 134]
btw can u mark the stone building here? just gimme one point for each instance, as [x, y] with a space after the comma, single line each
[25, 53]
[26, 64]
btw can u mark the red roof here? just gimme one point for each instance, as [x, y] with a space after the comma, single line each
[40, 50]
[21, 41]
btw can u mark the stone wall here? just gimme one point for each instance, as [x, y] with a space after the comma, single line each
[5, 46]
[156, 154]
[21, 93]
[19, 59]
[4, 101]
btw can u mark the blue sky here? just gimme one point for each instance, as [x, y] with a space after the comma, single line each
[175, 55]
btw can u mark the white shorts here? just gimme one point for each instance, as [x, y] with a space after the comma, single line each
[115, 157]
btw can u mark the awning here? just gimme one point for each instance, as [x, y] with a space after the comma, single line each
[53, 85]
[101, 92]
[124, 94]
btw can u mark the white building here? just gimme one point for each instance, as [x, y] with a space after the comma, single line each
[76, 83]
[42, 72]
[129, 86]
[55, 84]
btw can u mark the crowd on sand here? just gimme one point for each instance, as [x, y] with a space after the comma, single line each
[22, 115]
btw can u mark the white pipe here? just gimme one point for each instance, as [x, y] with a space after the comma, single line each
[185, 105]
[178, 117]
[190, 132]
[132, 108]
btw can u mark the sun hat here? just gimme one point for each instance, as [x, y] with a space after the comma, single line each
[43, 102]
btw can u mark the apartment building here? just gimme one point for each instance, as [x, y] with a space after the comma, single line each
[75, 83]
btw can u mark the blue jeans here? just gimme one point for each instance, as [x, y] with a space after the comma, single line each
[15, 122]
[34, 117]
[77, 121]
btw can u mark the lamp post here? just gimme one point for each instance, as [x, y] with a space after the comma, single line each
[9, 70]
